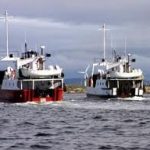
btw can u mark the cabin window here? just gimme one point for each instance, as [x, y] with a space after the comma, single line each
[19, 84]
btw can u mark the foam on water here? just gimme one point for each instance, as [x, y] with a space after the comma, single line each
[79, 101]
[135, 98]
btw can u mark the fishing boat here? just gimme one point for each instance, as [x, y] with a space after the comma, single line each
[26, 78]
[114, 78]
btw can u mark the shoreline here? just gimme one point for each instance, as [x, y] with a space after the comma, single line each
[75, 88]
[147, 89]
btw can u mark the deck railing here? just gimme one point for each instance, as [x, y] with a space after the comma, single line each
[33, 81]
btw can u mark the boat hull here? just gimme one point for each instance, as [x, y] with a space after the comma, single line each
[100, 96]
[105, 93]
[26, 95]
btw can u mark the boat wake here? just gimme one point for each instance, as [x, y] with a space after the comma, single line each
[135, 98]
[78, 102]
[38, 103]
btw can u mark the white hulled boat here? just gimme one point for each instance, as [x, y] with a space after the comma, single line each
[114, 78]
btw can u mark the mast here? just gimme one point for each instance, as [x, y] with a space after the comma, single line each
[26, 47]
[125, 47]
[6, 23]
[6, 17]
[104, 41]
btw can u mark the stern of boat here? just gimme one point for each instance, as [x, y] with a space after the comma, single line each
[41, 90]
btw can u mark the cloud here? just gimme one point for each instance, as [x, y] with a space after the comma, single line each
[81, 11]
[69, 29]
[63, 40]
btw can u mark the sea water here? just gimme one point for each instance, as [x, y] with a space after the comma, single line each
[77, 123]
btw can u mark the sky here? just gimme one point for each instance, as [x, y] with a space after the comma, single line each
[69, 29]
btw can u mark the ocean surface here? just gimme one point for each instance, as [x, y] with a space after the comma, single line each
[77, 123]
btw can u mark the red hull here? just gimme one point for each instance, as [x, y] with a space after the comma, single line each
[26, 95]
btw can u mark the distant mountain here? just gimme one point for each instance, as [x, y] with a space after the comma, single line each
[74, 81]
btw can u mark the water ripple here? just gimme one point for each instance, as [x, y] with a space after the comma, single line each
[77, 123]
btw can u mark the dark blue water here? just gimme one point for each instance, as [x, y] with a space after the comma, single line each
[76, 123]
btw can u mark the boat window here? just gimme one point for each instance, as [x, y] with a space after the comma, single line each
[19, 84]
[27, 85]
[10, 55]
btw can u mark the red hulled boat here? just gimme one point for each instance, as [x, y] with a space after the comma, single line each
[26, 78]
